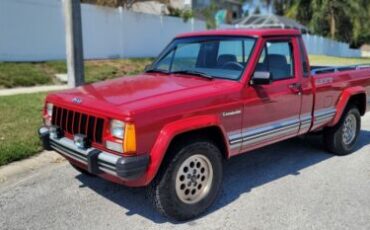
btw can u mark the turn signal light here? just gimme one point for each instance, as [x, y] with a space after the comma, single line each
[129, 141]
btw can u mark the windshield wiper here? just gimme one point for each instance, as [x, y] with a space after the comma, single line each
[154, 70]
[193, 72]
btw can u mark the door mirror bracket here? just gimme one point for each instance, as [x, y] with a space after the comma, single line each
[148, 67]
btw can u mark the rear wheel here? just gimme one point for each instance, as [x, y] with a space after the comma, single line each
[341, 139]
[189, 182]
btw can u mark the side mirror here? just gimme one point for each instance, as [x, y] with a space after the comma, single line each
[261, 78]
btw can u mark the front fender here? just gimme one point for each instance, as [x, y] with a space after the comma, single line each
[170, 131]
[343, 101]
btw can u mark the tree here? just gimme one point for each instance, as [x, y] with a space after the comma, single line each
[361, 23]
[280, 7]
[209, 15]
[257, 10]
[334, 13]
[300, 10]
[343, 20]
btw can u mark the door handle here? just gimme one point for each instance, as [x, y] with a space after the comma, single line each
[296, 88]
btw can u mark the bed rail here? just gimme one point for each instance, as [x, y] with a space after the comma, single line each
[338, 69]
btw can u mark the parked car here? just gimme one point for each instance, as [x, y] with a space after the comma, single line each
[209, 96]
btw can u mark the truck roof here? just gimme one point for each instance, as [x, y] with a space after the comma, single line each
[242, 32]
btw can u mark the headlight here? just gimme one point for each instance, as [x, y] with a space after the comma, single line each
[49, 109]
[122, 137]
[117, 129]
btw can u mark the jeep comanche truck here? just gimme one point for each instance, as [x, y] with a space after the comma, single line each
[209, 96]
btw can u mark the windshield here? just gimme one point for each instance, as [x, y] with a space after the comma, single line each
[218, 57]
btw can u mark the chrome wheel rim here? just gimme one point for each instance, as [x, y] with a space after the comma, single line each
[194, 179]
[349, 129]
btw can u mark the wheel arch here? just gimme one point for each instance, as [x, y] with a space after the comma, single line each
[184, 130]
[352, 96]
[212, 133]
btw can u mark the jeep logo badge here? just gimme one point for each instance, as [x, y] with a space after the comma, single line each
[76, 100]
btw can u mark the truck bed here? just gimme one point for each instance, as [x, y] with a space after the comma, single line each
[330, 82]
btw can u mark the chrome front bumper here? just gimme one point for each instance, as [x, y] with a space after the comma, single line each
[97, 161]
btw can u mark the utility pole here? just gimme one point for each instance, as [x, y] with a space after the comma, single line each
[74, 43]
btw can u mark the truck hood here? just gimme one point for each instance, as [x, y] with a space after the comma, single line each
[131, 93]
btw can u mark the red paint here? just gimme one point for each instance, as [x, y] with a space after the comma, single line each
[343, 100]
[163, 106]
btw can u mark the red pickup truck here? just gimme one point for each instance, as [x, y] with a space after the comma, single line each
[208, 96]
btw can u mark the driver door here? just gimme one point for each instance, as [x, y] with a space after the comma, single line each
[271, 111]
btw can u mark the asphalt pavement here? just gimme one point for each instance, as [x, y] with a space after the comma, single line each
[291, 185]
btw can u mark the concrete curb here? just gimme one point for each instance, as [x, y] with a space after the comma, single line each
[23, 167]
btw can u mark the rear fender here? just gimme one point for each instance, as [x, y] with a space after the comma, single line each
[344, 99]
[170, 131]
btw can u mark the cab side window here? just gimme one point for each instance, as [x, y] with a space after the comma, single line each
[277, 58]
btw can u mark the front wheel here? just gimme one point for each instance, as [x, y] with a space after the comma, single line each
[189, 182]
[341, 139]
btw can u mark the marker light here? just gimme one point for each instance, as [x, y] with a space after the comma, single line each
[129, 142]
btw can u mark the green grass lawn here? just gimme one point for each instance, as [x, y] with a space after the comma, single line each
[43, 73]
[23, 74]
[20, 117]
[107, 69]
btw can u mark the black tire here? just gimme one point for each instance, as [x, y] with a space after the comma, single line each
[81, 170]
[162, 190]
[333, 137]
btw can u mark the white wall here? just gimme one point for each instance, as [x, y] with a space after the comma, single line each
[318, 45]
[33, 30]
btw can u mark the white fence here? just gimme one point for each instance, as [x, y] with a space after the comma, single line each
[322, 46]
[33, 30]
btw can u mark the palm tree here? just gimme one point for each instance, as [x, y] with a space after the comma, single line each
[335, 12]
[344, 20]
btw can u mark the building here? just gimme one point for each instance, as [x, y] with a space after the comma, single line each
[181, 4]
[234, 8]
[150, 7]
[160, 8]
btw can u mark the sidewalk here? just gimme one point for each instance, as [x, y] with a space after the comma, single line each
[35, 89]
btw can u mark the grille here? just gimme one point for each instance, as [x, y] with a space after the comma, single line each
[73, 122]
